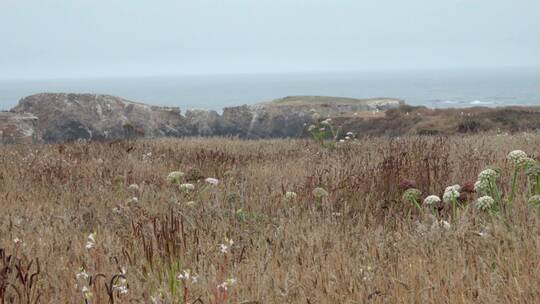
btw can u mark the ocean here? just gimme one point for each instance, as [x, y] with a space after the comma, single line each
[434, 88]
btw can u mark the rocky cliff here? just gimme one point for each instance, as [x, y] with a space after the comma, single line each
[67, 117]
[18, 127]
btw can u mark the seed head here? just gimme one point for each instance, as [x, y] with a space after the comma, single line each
[175, 176]
[489, 175]
[187, 187]
[535, 200]
[450, 194]
[432, 200]
[485, 203]
[212, 181]
[515, 156]
[290, 195]
[411, 195]
[533, 172]
[319, 192]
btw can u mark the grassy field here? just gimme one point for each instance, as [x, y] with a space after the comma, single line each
[103, 223]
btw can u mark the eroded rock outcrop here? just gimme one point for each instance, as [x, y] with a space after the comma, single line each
[18, 128]
[65, 117]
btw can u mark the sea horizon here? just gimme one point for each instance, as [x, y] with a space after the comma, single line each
[436, 88]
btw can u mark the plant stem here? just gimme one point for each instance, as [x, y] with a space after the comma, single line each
[514, 182]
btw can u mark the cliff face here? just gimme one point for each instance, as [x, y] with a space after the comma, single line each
[18, 128]
[65, 117]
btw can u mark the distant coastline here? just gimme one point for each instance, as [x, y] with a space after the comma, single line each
[435, 89]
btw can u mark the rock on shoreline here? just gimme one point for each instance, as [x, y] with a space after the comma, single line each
[59, 117]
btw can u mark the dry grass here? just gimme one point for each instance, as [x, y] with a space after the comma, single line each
[360, 245]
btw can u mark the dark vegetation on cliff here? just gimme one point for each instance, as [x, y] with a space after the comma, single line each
[409, 120]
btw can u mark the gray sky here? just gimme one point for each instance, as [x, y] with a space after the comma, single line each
[86, 38]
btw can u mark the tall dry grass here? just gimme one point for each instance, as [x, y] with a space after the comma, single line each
[360, 244]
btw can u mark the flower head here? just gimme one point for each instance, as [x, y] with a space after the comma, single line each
[133, 187]
[489, 175]
[82, 274]
[432, 200]
[224, 248]
[515, 156]
[212, 181]
[533, 172]
[311, 128]
[482, 187]
[451, 194]
[525, 163]
[187, 187]
[91, 241]
[319, 192]
[175, 176]
[453, 187]
[191, 203]
[225, 285]
[535, 200]
[186, 275]
[485, 203]
[411, 195]
[290, 195]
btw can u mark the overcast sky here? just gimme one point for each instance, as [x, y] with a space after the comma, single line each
[87, 38]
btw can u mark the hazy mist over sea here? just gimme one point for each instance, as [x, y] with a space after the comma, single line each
[433, 88]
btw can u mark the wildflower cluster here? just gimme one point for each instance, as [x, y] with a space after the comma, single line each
[412, 196]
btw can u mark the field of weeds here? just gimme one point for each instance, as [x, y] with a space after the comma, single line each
[281, 221]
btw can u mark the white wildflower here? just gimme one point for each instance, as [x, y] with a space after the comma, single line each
[319, 192]
[535, 200]
[133, 187]
[525, 163]
[186, 275]
[91, 241]
[290, 195]
[516, 155]
[175, 176]
[227, 284]
[432, 200]
[212, 181]
[446, 225]
[481, 187]
[82, 274]
[122, 289]
[347, 137]
[488, 175]
[187, 187]
[224, 248]
[311, 128]
[450, 194]
[455, 187]
[485, 203]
